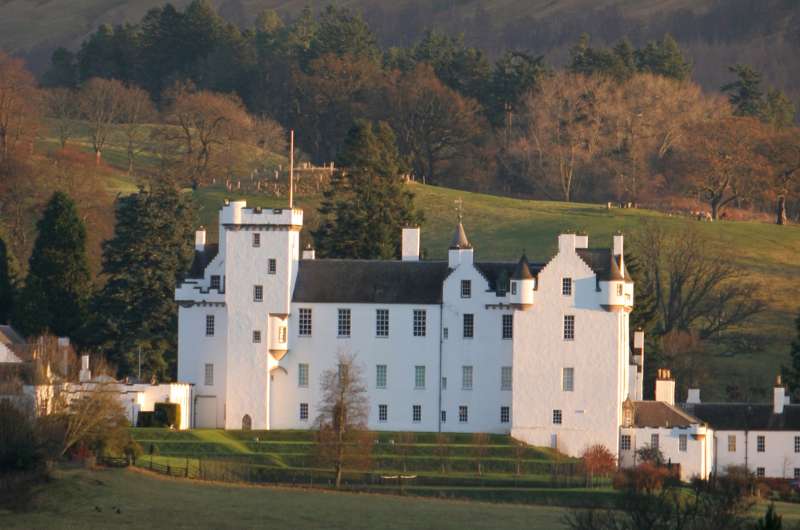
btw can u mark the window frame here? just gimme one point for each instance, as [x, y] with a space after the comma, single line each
[302, 375]
[419, 377]
[569, 328]
[215, 282]
[655, 441]
[731, 443]
[256, 336]
[468, 326]
[256, 240]
[506, 378]
[381, 375]
[566, 286]
[419, 323]
[466, 289]
[208, 374]
[382, 323]
[383, 413]
[507, 327]
[305, 317]
[625, 442]
[558, 417]
[258, 293]
[683, 443]
[416, 413]
[568, 379]
[505, 414]
[343, 322]
[272, 266]
[304, 412]
[463, 414]
[467, 377]
[210, 325]
[761, 444]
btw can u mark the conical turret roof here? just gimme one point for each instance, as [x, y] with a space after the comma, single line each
[459, 238]
[522, 270]
[615, 274]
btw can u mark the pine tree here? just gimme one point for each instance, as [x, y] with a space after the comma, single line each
[791, 374]
[745, 94]
[8, 286]
[58, 285]
[367, 204]
[151, 250]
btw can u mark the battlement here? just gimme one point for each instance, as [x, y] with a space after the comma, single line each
[237, 213]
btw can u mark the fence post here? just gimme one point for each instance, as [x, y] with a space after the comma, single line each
[187, 467]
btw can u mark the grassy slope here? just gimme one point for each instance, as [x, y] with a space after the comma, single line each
[157, 502]
[501, 228]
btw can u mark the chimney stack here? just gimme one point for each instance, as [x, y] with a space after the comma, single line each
[665, 386]
[309, 253]
[778, 397]
[410, 246]
[200, 239]
[694, 396]
[619, 250]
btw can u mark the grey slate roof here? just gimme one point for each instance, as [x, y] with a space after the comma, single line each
[370, 281]
[661, 414]
[746, 416]
[202, 259]
[602, 263]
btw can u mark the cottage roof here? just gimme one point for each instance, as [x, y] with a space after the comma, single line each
[746, 416]
[661, 414]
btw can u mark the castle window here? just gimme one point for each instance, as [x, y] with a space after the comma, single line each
[463, 414]
[382, 322]
[731, 443]
[760, 472]
[420, 322]
[505, 378]
[513, 287]
[302, 375]
[619, 289]
[272, 266]
[258, 293]
[209, 325]
[344, 323]
[557, 417]
[209, 380]
[416, 413]
[419, 377]
[469, 325]
[654, 441]
[568, 379]
[761, 444]
[625, 442]
[215, 281]
[569, 327]
[304, 321]
[566, 286]
[466, 378]
[466, 288]
[256, 239]
[505, 414]
[508, 326]
[797, 444]
[383, 413]
[256, 336]
[444, 416]
[380, 376]
[682, 442]
[303, 411]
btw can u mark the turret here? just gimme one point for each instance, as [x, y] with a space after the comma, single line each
[617, 286]
[522, 284]
[460, 250]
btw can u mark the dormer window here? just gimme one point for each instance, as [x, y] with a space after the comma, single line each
[566, 286]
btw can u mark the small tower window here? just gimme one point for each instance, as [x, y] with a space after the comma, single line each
[619, 289]
[514, 288]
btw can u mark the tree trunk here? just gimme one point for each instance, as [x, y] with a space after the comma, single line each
[715, 209]
[781, 210]
[338, 475]
[97, 157]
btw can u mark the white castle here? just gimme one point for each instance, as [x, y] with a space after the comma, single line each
[540, 351]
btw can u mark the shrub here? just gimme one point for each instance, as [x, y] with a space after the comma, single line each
[21, 460]
[167, 414]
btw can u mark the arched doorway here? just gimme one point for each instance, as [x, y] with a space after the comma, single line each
[247, 422]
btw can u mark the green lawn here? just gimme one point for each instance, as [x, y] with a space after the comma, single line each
[73, 500]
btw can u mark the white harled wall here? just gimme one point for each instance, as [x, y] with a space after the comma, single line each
[599, 355]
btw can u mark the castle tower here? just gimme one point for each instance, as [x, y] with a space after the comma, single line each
[522, 284]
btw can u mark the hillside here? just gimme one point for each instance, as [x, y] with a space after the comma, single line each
[715, 33]
[501, 228]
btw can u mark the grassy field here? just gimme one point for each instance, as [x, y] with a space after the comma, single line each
[84, 499]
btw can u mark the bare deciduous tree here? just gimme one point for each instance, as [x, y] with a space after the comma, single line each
[63, 109]
[342, 439]
[136, 111]
[694, 287]
[101, 102]
[19, 105]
